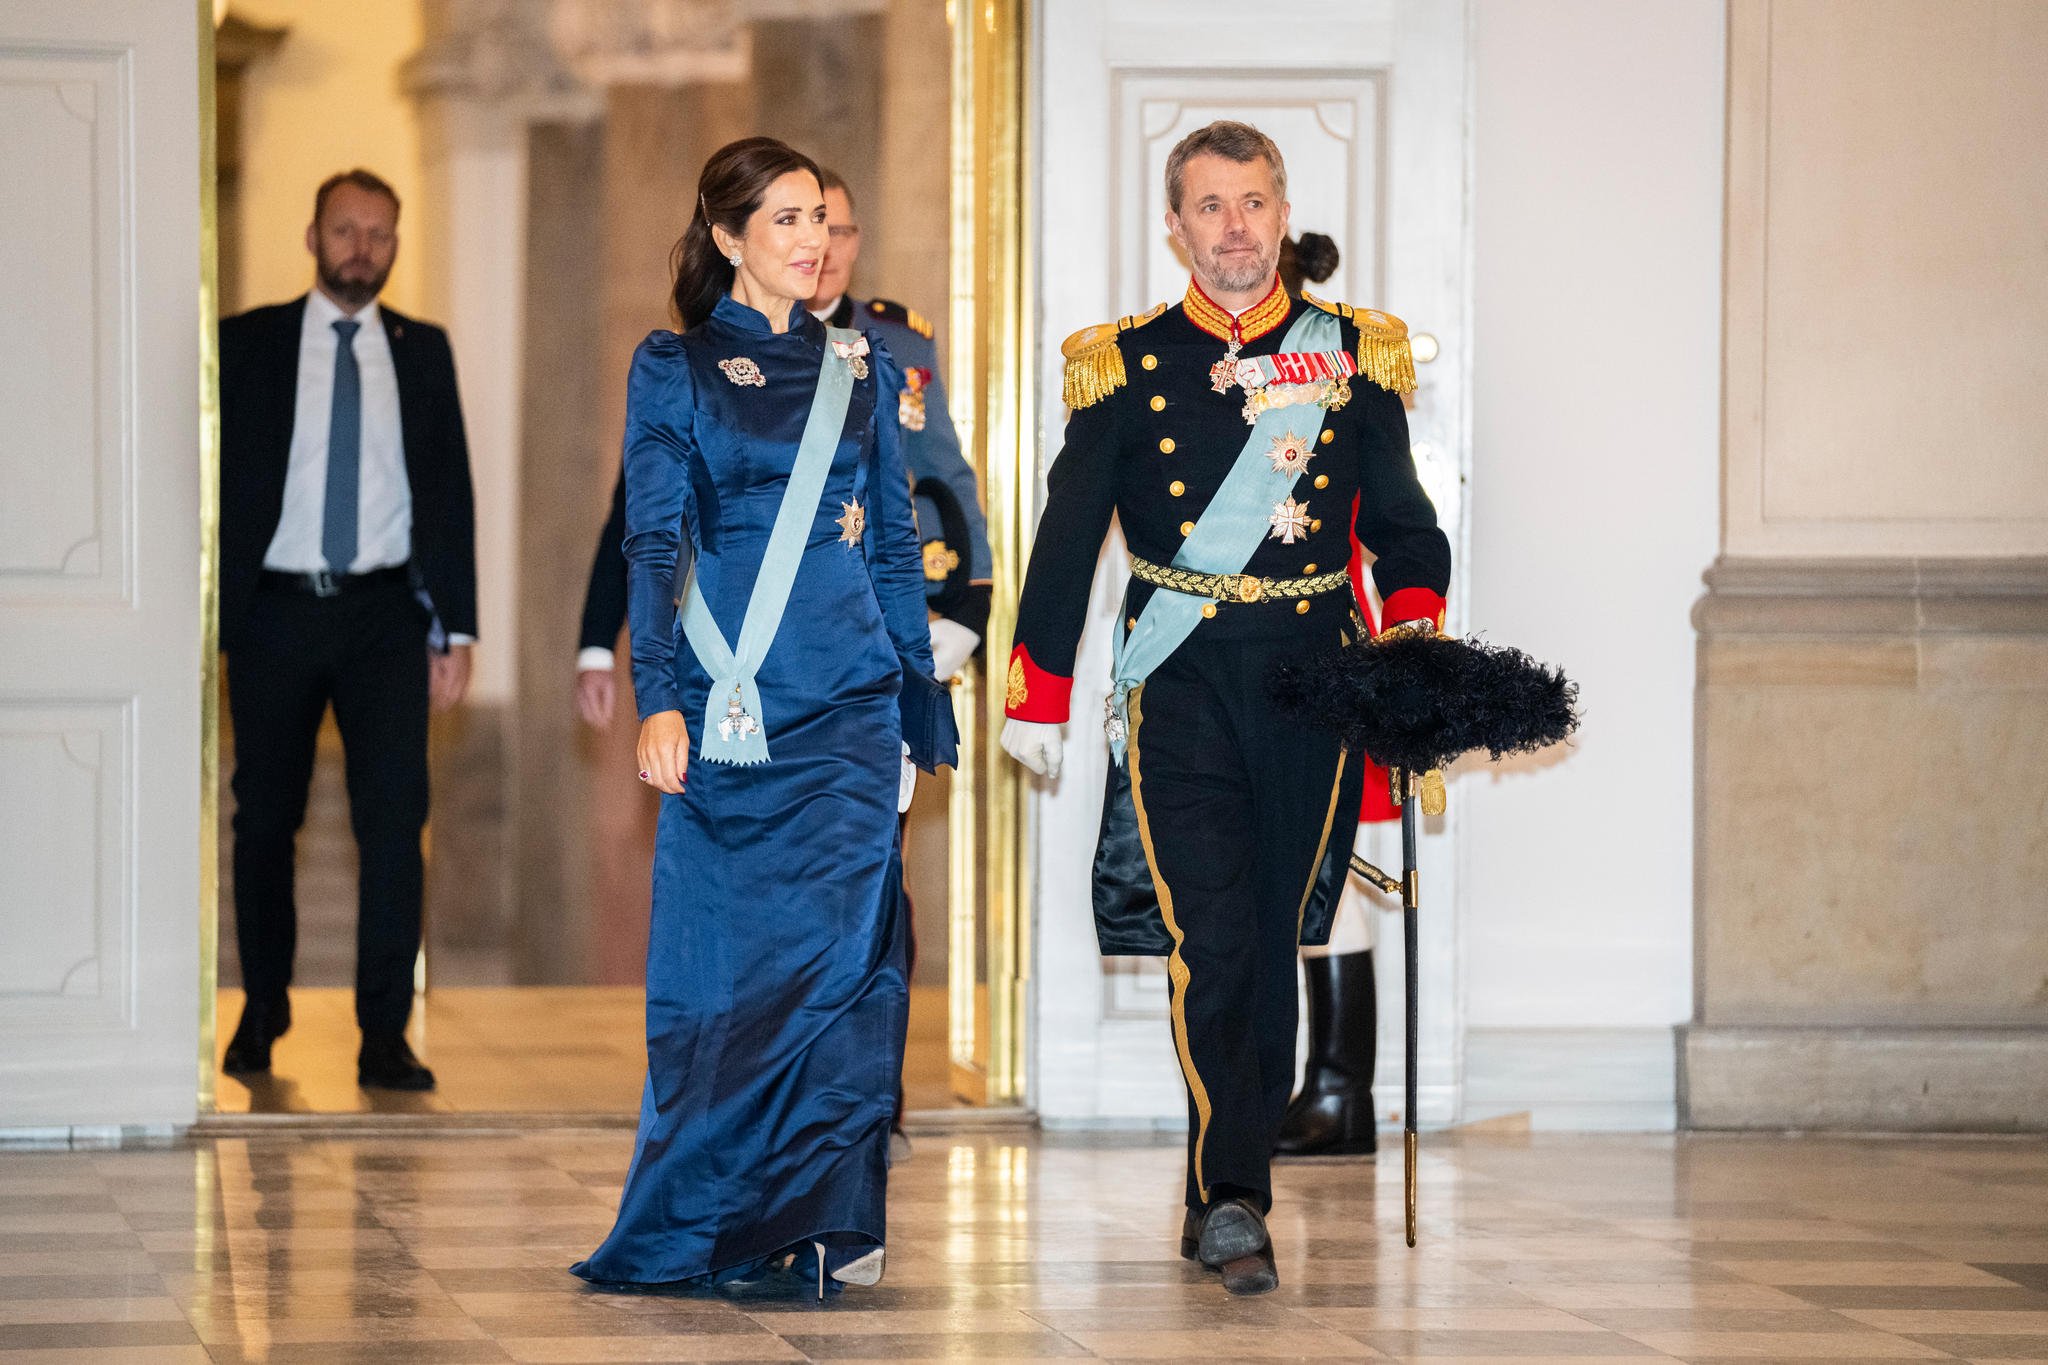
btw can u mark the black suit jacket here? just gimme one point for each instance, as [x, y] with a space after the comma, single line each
[259, 385]
[604, 601]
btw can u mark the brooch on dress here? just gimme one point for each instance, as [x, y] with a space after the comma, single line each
[741, 370]
[852, 352]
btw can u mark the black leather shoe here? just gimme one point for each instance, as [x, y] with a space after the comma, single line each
[1231, 1230]
[1191, 1236]
[387, 1063]
[1253, 1274]
[262, 1024]
[1333, 1114]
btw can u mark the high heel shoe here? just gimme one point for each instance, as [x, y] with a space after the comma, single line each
[863, 1270]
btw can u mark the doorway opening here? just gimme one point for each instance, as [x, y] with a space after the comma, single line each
[546, 168]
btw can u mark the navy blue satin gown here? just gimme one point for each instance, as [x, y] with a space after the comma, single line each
[777, 998]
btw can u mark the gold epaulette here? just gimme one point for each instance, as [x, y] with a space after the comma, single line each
[893, 311]
[1095, 365]
[1384, 356]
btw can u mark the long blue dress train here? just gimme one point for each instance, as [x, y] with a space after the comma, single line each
[777, 998]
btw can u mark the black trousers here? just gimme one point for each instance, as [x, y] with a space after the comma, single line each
[1236, 802]
[366, 654]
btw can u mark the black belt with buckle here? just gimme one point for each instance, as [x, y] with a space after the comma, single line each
[321, 583]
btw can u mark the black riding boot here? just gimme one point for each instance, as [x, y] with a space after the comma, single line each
[1333, 1114]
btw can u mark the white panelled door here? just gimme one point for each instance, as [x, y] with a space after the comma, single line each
[100, 325]
[1368, 100]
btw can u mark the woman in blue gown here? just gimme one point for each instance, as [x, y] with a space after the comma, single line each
[776, 994]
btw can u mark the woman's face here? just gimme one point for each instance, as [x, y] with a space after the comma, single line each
[786, 238]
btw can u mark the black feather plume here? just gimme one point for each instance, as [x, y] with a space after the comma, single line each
[1419, 701]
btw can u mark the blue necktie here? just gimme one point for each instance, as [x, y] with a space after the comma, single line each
[344, 454]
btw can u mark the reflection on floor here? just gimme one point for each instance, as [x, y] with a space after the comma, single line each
[1548, 1249]
[506, 1050]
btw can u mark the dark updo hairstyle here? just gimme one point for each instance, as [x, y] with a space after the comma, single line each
[729, 192]
[1308, 259]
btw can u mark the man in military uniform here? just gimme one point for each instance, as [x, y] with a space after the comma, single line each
[1230, 434]
[951, 527]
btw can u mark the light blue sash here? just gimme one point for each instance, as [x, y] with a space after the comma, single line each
[1226, 536]
[733, 725]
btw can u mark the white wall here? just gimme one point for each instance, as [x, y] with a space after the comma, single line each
[1594, 499]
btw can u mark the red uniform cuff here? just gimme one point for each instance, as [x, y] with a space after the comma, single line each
[1413, 604]
[1034, 694]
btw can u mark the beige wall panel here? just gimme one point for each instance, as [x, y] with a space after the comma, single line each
[1887, 344]
[1872, 850]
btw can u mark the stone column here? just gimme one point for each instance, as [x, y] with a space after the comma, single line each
[486, 71]
[1872, 757]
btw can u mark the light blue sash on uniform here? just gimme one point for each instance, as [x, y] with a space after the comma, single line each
[733, 730]
[1227, 534]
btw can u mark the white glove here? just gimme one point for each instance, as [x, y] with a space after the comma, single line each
[952, 646]
[1035, 744]
[906, 782]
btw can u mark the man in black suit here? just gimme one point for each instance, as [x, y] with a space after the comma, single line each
[348, 577]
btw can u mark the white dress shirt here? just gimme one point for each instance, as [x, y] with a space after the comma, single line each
[384, 499]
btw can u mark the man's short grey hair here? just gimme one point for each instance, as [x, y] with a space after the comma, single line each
[1231, 140]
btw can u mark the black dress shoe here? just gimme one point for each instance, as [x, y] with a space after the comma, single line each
[1333, 1114]
[1191, 1236]
[1231, 1230]
[387, 1063]
[262, 1024]
[1253, 1274]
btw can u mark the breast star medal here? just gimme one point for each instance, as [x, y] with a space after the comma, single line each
[853, 523]
[1289, 521]
[1290, 453]
[743, 371]
[737, 723]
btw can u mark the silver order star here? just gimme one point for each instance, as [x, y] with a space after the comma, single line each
[852, 522]
[1290, 453]
[1289, 521]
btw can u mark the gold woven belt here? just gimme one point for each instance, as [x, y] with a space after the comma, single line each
[1236, 587]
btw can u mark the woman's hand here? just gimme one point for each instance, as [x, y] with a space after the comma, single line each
[664, 752]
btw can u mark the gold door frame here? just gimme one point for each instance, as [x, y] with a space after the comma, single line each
[992, 360]
[209, 567]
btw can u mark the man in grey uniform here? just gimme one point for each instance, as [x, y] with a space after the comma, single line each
[957, 567]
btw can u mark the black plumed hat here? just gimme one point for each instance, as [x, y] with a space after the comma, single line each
[1417, 701]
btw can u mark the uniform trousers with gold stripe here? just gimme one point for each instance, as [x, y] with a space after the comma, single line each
[1236, 803]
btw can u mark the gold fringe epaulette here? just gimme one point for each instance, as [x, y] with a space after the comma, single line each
[1095, 364]
[1384, 355]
